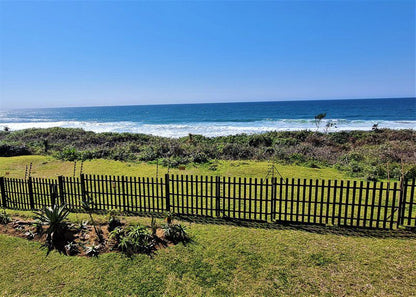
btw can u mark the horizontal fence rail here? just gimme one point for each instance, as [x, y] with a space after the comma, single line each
[326, 202]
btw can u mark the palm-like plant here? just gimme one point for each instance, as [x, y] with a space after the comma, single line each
[56, 219]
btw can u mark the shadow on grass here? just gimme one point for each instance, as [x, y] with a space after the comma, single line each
[399, 233]
[311, 228]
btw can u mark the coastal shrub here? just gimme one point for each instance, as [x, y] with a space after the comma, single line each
[174, 162]
[148, 153]
[411, 173]
[7, 150]
[342, 137]
[68, 154]
[199, 157]
[297, 158]
[233, 151]
[120, 154]
[366, 148]
[316, 139]
[257, 140]
[286, 141]
[95, 154]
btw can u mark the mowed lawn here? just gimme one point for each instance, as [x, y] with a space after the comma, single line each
[222, 260]
[48, 167]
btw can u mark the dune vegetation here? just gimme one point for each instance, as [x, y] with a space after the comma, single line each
[371, 155]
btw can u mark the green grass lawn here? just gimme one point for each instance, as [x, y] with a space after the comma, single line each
[48, 167]
[223, 260]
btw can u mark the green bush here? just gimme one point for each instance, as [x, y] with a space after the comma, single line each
[135, 239]
[175, 233]
[4, 217]
[411, 173]
[68, 154]
[8, 150]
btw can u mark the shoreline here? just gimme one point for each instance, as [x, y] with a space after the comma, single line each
[214, 129]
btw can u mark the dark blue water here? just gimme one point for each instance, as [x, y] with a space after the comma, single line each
[222, 118]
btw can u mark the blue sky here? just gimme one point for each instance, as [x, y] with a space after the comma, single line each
[115, 53]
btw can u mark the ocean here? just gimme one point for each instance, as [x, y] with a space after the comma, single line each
[215, 119]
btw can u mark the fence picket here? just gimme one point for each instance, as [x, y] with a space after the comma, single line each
[372, 205]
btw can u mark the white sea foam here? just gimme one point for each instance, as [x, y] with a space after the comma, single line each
[211, 129]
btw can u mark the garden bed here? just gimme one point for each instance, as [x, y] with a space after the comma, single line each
[86, 239]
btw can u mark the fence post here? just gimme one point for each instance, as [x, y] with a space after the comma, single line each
[61, 189]
[217, 196]
[3, 192]
[402, 201]
[53, 190]
[274, 198]
[83, 192]
[123, 189]
[31, 201]
[167, 193]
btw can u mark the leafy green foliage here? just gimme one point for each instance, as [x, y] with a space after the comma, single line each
[113, 223]
[10, 150]
[135, 239]
[4, 217]
[371, 149]
[68, 154]
[175, 233]
[55, 218]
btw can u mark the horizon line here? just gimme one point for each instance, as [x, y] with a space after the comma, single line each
[221, 102]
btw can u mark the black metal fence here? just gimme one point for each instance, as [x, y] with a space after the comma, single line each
[342, 203]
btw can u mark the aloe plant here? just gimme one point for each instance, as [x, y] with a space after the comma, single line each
[55, 218]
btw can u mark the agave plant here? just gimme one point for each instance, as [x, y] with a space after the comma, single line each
[135, 239]
[55, 218]
[175, 233]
